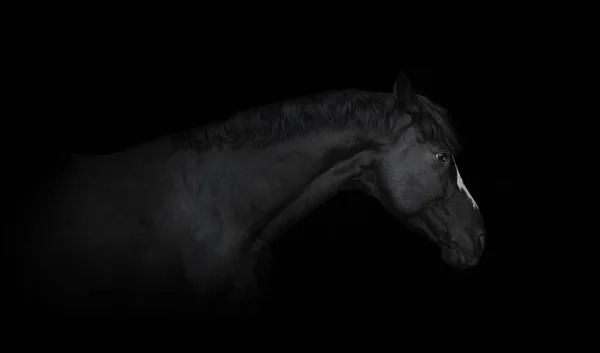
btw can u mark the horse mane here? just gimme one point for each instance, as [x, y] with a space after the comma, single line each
[365, 111]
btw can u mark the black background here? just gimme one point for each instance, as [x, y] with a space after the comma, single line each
[103, 92]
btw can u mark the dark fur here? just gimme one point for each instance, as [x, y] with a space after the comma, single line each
[207, 200]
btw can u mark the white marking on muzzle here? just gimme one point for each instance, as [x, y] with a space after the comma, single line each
[462, 187]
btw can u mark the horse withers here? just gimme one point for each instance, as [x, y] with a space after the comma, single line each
[199, 207]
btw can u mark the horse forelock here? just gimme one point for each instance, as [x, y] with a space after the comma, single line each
[433, 122]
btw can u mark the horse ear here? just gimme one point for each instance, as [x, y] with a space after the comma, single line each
[402, 90]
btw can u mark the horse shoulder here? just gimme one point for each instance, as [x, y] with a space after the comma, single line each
[211, 245]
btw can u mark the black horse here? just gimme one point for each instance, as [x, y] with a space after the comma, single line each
[205, 203]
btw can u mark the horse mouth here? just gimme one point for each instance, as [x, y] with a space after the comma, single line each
[457, 259]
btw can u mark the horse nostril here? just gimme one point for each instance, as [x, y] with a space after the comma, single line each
[481, 242]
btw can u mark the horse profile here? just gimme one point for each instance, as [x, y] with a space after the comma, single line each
[205, 203]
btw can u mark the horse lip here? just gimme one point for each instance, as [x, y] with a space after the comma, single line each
[465, 261]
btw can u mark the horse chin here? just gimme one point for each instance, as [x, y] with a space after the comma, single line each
[457, 259]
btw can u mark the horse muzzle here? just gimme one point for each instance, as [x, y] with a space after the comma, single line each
[464, 254]
[458, 259]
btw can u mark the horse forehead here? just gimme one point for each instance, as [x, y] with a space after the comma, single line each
[403, 139]
[463, 187]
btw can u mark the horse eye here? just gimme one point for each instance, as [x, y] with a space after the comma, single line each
[442, 157]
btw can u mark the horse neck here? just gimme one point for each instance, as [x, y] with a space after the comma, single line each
[263, 183]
